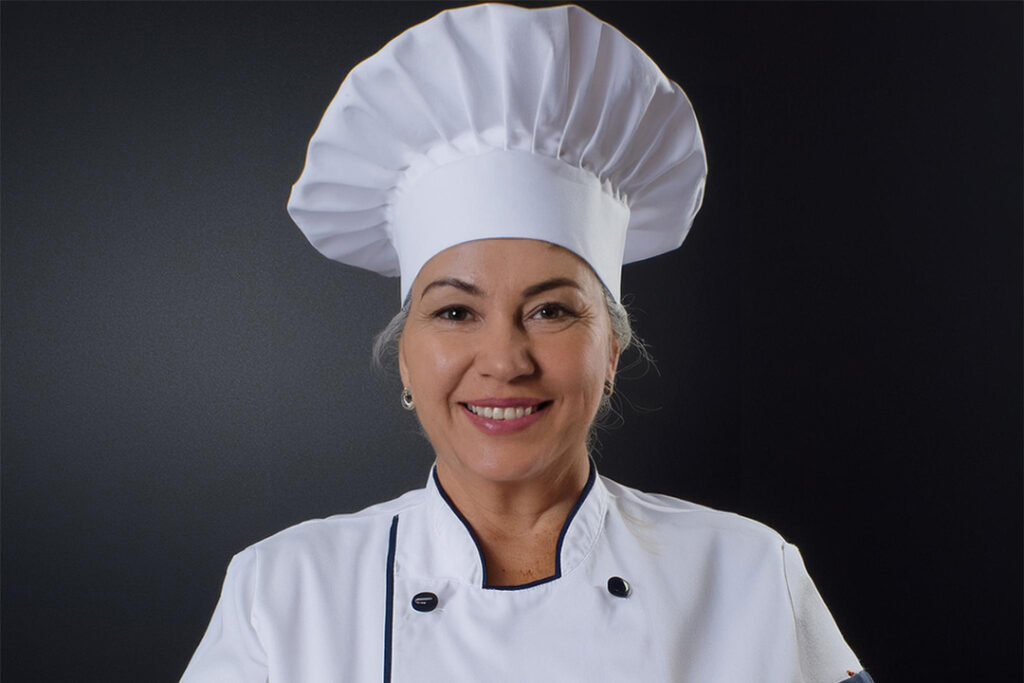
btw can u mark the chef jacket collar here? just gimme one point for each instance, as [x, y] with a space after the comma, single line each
[461, 556]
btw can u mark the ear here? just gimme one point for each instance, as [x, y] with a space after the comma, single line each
[613, 359]
[403, 368]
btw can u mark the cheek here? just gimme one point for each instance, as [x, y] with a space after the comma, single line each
[579, 365]
[434, 366]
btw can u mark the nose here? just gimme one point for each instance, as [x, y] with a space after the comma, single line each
[505, 353]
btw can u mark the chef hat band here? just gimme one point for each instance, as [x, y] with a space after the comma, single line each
[509, 194]
[495, 121]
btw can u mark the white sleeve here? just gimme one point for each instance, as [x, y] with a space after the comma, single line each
[824, 655]
[231, 651]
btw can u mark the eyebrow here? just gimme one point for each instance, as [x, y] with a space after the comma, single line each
[532, 290]
[467, 287]
[553, 283]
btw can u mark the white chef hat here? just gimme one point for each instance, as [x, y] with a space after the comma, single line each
[495, 121]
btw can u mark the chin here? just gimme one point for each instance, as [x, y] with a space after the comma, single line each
[510, 464]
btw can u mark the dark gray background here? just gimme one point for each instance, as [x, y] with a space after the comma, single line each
[838, 341]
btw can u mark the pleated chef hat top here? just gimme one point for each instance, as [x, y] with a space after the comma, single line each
[493, 121]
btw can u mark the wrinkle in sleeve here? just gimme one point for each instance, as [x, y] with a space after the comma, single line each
[824, 655]
[231, 651]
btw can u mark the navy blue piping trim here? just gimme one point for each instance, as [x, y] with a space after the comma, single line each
[465, 523]
[591, 478]
[390, 598]
[862, 677]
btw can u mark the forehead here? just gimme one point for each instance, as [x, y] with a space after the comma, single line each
[492, 263]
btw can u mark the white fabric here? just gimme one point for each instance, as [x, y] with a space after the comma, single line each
[715, 598]
[416, 150]
[481, 196]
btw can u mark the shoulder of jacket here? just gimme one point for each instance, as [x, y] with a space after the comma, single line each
[663, 510]
[344, 529]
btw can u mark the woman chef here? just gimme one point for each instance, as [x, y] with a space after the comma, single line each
[506, 162]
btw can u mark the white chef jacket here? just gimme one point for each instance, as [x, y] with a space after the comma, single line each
[646, 588]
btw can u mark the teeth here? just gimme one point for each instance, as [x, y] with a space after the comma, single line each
[501, 413]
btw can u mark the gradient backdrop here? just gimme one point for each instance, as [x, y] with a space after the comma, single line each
[838, 342]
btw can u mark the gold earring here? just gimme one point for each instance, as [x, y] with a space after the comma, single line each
[609, 388]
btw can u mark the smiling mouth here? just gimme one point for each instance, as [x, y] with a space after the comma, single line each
[510, 413]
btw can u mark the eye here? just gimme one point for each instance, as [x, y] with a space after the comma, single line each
[453, 314]
[551, 311]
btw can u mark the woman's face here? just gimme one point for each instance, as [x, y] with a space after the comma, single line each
[506, 350]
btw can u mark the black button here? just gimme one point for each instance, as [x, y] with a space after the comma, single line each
[426, 602]
[618, 587]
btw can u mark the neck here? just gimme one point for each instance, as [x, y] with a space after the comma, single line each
[517, 523]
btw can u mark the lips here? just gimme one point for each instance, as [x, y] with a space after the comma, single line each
[493, 412]
[501, 416]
